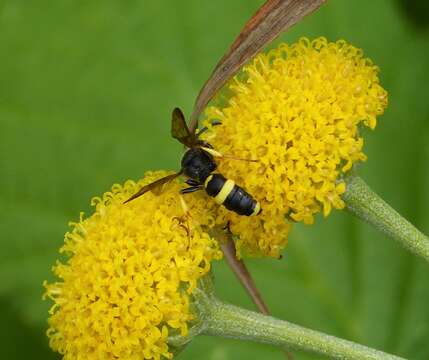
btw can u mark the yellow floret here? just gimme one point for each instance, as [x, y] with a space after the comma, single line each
[296, 109]
[129, 273]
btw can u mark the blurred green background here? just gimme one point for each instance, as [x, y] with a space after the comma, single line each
[86, 90]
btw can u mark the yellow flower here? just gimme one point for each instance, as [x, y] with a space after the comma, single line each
[125, 286]
[296, 109]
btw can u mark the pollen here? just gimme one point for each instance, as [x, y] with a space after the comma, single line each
[129, 271]
[298, 110]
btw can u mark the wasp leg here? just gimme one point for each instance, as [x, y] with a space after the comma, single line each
[184, 220]
[227, 228]
[192, 182]
[202, 131]
[205, 128]
[190, 189]
[180, 223]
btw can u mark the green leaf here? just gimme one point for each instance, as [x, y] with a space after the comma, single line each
[86, 94]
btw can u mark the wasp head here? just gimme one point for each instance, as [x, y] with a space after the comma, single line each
[198, 164]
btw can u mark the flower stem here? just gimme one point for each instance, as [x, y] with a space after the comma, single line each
[230, 321]
[368, 206]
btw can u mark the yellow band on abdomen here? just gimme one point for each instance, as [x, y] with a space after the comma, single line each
[206, 183]
[256, 210]
[224, 192]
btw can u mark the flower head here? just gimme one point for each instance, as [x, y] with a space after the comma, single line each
[129, 273]
[297, 110]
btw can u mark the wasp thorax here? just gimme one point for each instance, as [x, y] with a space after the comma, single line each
[198, 164]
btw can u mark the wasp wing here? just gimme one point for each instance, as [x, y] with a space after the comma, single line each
[153, 186]
[272, 18]
[179, 129]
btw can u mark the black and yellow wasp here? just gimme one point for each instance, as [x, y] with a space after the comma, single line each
[198, 165]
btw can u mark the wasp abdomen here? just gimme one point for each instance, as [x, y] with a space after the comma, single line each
[230, 195]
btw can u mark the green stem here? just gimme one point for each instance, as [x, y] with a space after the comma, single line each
[230, 321]
[368, 206]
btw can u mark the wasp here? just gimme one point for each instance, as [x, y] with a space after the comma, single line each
[198, 165]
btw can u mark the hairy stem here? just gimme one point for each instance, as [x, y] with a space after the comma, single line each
[230, 321]
[243, 275]
[368, 206]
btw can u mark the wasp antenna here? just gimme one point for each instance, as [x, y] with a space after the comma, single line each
[184, 205]
[237, 158]
[212, 151]
[218, 154]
